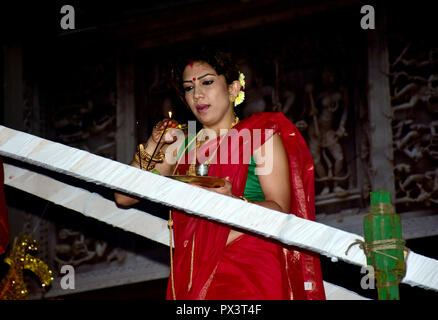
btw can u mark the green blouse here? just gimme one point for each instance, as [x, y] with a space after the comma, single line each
[253, 190]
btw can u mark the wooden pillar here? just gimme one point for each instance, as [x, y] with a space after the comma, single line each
[125, 135]
[13, 87]
[379, 107]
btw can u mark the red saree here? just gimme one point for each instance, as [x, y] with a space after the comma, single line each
[249, 267]
[4, 225]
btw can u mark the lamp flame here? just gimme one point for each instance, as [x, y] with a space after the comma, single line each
[170, 114]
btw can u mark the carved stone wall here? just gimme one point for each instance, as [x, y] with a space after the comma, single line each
[83, 111]
[414, 98]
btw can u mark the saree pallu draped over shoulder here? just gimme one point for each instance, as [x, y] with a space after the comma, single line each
[250, 267]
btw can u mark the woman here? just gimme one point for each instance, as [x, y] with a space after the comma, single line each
[213, 261]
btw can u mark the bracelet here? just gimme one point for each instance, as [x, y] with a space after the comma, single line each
[143, 166]
[145, 161]
[244, 199]
[158, 158]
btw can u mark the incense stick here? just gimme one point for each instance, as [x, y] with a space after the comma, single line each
[156, 147]
[138, 146]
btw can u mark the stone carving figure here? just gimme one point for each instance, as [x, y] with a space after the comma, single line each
[325, 130]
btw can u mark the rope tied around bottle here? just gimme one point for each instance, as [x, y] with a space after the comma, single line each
[378, 247]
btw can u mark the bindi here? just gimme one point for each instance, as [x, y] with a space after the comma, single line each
[194, 79]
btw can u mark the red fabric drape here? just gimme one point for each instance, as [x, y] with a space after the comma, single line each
[4, 225]
[212, 262]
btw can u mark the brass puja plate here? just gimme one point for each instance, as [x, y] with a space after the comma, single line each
[209, 182]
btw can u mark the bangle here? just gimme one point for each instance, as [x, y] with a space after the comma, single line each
[145, 161]
[244, 199]
[159, 157]
[146, 157]
[151, 166]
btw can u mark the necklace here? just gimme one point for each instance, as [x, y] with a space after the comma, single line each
[201, 169]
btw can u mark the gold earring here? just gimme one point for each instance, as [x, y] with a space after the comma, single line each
[232, 98]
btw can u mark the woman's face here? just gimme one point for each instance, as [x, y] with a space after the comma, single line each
[206, 93]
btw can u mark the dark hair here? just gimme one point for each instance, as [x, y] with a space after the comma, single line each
[220, 61]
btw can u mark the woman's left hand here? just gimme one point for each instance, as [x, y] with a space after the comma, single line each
[227, 189]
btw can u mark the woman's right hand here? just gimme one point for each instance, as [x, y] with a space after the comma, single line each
[164, 168]
[169, 136]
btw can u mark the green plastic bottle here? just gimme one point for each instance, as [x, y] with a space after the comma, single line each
[384, 245]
